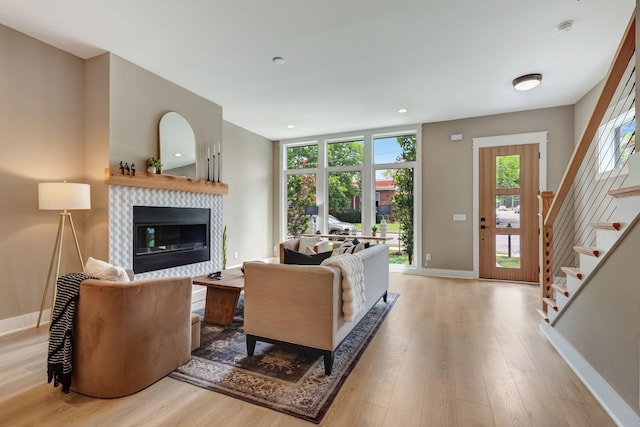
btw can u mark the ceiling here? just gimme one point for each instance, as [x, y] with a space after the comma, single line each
[350, 64]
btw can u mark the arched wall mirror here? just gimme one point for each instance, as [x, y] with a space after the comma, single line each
[177, 146]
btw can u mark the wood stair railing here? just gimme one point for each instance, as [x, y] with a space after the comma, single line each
[550, 203]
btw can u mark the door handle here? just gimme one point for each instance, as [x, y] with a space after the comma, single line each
[482, 227]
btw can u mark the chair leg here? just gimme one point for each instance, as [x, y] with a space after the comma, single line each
[328, 362]
[384, 297]
[251, 344]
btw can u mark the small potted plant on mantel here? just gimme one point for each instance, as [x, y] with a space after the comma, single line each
[153, 165]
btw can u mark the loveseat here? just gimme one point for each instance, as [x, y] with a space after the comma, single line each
[302, 304]
[129, 335]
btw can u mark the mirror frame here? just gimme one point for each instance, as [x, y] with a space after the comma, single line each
[177, 144]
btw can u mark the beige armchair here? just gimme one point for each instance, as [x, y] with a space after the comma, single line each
[130, 335]
[294, 245]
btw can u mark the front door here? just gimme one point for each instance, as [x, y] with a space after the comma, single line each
[508, 212]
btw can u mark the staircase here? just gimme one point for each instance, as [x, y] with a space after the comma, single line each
[608, 234]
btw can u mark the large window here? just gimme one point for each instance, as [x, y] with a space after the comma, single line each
[616, 142]
[361, 185]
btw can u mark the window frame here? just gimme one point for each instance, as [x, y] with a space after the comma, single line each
[368, 170]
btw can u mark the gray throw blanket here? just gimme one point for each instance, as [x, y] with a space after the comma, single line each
[60, 356]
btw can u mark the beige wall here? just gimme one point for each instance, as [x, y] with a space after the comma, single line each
[138, 99]
[124, 107]
[248, 209]
[96, 94]
[447, 175]
[583, 110]
[41, 139]
[603, 323]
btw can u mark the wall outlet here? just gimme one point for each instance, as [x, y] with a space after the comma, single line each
[235, 254]
[427, 257]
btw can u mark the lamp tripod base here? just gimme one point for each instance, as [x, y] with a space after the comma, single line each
[55, 259]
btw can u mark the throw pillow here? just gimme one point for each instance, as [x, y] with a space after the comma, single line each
[307, 242]
[294, 257]
[105, 271]
[349, 247]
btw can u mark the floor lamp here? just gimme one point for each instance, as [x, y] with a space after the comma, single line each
[61, 196]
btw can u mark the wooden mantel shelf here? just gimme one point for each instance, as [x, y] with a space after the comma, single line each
[164, 182]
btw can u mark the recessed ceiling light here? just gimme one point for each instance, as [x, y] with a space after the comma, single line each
[178, 154]
[402, 110]
[278, 60]
[290, 126]
[527, 82]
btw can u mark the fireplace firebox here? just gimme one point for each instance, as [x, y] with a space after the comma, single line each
[165, 237]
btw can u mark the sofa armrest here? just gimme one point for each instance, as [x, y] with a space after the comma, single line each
[292, 244]
[292, 303]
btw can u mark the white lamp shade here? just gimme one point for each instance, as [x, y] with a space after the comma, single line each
[63, 195]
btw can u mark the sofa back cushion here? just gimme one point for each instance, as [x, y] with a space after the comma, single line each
[295, 257]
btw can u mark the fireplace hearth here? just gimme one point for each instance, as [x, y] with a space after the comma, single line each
[166, 237]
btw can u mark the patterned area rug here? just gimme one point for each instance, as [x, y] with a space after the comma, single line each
[285, 379]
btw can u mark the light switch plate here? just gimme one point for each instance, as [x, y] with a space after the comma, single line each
[459, 217]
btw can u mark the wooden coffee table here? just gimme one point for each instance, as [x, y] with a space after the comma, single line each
[222, 296]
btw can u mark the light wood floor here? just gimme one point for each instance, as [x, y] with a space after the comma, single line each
[450, 353]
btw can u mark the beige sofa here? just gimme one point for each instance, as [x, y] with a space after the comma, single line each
[129, 335]
[302, 304]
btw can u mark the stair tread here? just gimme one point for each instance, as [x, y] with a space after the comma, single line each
[587, 250]
[633, 190]
[605, 225]
[572, 271]
[543, 315]
[561, 288]
[551, 303]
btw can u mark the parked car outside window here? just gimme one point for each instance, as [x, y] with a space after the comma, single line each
[340, 227]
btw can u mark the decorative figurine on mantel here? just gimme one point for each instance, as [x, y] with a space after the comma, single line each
[121, 167]
[133, 169]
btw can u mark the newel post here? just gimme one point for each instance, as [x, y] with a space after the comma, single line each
[546, 247]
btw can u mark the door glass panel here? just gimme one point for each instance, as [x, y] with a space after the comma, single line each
[508, 211]
[345, 209]
[507, 250]
[302, 157]
[349, 153]
[508, 171]
[301, 192]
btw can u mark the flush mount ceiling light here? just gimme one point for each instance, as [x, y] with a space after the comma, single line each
[527, 82]
[278, 60]
[402, 110]
[290, 126]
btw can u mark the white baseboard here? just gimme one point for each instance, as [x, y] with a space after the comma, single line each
[26, 321]
[616, 407]
[439, 272]
[199, 293]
